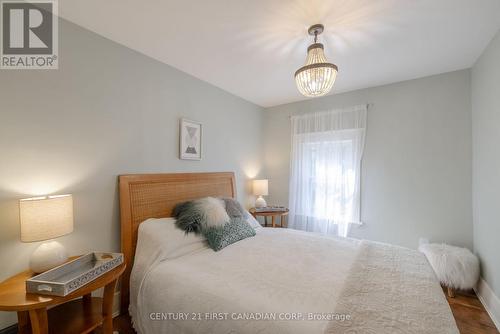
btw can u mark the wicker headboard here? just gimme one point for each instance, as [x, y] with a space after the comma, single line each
[144, 196]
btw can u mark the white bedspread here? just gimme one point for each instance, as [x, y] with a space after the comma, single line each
[392, 290]
[257, 285]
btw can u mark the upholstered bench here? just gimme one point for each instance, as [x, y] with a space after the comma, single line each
[455, 267]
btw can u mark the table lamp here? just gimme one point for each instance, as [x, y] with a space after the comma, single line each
[45, 218]
[260, 188]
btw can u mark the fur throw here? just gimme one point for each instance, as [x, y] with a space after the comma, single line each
[194, 216]
[213, 212]
[455, 267]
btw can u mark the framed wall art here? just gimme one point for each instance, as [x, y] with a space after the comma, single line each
[190, 139]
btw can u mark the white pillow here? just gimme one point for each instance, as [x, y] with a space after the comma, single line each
[159, 240]
[252, 221]
[163, 237]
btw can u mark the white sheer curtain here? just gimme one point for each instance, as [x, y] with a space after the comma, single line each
[327, 148]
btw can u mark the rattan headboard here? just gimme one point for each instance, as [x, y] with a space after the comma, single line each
[144, 196]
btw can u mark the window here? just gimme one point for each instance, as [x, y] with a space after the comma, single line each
[325, 170]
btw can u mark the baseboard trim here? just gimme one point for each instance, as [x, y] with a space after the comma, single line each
[489, 300]
[9, 330]
[116, 304]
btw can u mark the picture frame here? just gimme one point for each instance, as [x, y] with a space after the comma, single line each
[190, 139]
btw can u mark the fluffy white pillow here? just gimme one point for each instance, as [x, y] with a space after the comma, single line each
[213, 212]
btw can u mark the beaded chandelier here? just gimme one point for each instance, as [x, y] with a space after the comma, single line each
[317, 76]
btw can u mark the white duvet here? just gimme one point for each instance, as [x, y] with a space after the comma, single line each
[280, 281]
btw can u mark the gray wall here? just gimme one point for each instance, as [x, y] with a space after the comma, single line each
[107, 111]
[416, 170]
[486, 161]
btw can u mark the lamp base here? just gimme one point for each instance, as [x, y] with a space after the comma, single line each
[47, 256]
[260, 202]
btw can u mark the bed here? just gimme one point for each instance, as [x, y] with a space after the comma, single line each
[280, 281]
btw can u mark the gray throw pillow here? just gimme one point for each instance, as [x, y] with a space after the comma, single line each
[222, 236]
[234, 208]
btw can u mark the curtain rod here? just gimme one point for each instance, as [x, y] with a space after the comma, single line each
[368, 106]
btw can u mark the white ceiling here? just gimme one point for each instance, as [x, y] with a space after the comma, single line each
[251, 48]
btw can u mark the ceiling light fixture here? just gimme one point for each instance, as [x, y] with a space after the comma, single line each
[317, 76]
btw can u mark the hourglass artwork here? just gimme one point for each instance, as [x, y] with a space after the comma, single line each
[190, 140]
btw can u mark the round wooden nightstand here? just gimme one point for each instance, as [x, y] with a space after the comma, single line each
[283, 214]
[69, 315]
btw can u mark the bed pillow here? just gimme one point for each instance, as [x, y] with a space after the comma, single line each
[213, 212]
[187, 217]
[234, 208]
[222, 236]
[161, 238]
[221, 221]
[194, 216]
[252, 221]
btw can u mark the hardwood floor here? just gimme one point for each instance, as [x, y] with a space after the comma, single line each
[470, 315]
[121, 324]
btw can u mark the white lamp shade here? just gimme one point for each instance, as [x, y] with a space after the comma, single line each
[44, 218]
[260, 187]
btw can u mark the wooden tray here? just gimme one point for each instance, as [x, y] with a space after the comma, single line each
[68, 277]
